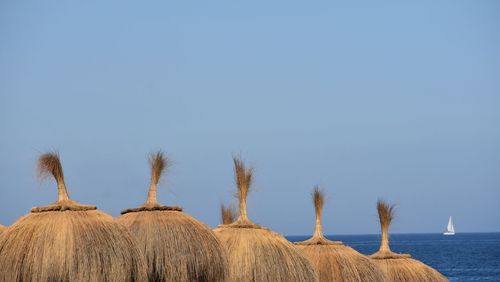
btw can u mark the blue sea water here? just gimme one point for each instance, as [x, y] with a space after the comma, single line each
[463, 257]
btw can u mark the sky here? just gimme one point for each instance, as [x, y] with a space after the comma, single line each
[398, 100]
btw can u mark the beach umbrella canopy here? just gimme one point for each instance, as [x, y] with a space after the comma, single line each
[257, 253]
[399, 267]
[333, 260]
[67, 241]
[177, 247]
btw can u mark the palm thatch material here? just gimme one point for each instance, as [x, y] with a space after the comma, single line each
[256, 253]
[66, 241]
[228, 214]
[2, 228]
[332, 260]
[177, 247]
[399, 267]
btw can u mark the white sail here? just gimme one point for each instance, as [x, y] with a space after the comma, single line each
[450, 226]
[450, 229]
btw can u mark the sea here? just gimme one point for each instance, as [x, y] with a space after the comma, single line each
[462, 257]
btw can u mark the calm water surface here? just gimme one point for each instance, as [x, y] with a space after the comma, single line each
[463, 257]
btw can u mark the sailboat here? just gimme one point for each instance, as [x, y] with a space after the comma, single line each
[450, 230]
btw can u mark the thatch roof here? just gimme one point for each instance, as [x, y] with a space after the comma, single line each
[256, 253]
[227, 214]
[399, 267]
[177, 247]
[332, 260]
[68, 241]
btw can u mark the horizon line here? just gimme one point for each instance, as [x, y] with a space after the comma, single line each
[400, 233]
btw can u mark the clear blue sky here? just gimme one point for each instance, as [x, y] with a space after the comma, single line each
[370, 99]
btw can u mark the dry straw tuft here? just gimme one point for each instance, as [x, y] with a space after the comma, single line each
[256, 253]
[385, 215]
[2, 228]
[158, 163]
[244, 177]
[332, 260]
[50, 165]
[177, 247]
[228, 214]
[67, 241]
[318, 200]
[399, 267]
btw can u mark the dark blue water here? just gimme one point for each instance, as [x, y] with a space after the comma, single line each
[463, 257]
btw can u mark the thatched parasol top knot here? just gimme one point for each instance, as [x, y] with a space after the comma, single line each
[158, 163]
[49, 164]
[386, 213]
[243, 177]
[318, 199]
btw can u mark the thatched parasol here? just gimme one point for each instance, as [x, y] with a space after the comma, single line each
[177, 247]
[66, 241]
[333, 260]
[2, 228]
[256, 253]
[227, 214]
[399, 267]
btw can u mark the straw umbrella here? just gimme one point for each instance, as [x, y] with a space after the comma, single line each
[2, 228]
[67, 241]
[228, 214]
[399, 267]
[177, 247]
[256, 253]
[333, 260]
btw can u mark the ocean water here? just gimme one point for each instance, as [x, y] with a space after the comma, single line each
[463, 257]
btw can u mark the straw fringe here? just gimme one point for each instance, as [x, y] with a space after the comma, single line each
[2, 228]
[340, 263]
[258, 254]
[177, 247]
[399, 267]
[228, 214]
[54, 246]
[407, 270]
